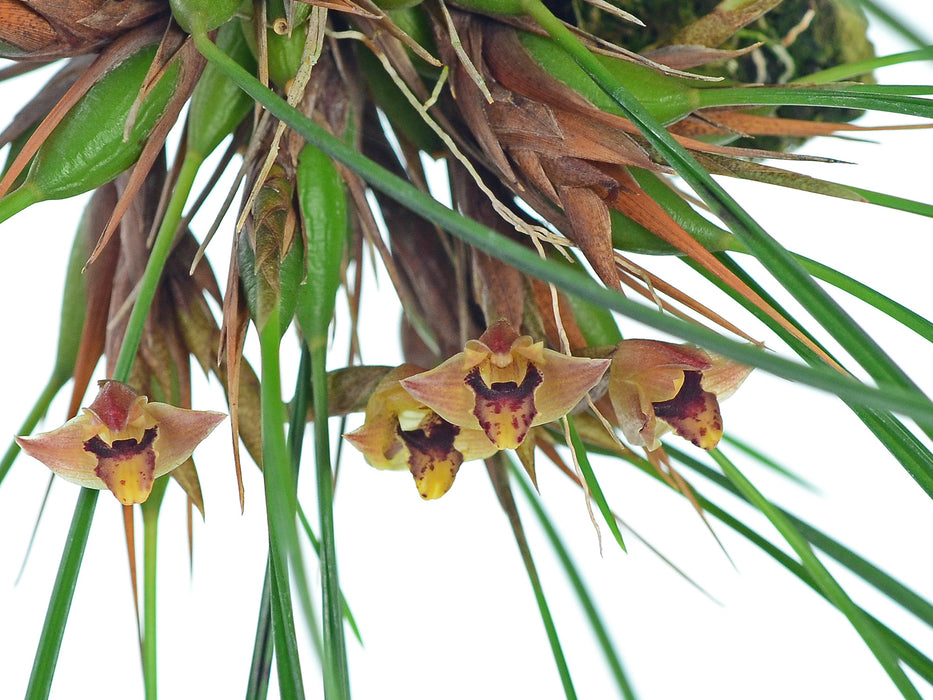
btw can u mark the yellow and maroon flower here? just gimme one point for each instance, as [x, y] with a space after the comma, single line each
[401, 432]
[655, 385]
[504, 383]
[121, 442]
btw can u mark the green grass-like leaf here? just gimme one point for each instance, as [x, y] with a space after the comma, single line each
[591, 483]
[763, 459]
[53, 630]
[907, 652]
[498, 468]
[579, 586]
[868, 572]
[260, 667]
[280, 509]
[336, 672]
[913, 455]
[316, 544]
[858, 565]
[873, 637]
[896, 311]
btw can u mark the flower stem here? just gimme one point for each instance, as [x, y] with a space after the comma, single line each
[337, 675]
[17, 200]
[280, 508]
[150, 510]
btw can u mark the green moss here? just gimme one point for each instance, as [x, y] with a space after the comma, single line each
[836, 34]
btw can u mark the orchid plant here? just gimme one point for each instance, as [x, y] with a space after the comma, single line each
[580, 139]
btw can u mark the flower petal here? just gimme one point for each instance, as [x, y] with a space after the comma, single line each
[634, 414]
[444, 391]
[379, 444]
[378, 438]
[657, 367]
[724, 377]
[565, 381]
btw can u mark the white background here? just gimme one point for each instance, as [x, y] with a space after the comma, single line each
[438, 589]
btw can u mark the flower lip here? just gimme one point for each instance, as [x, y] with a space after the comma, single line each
[505, 410]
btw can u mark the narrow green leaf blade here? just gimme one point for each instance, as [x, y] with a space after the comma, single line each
[592, 484]
[873, 637]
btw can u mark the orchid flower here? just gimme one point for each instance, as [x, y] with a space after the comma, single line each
[122, 442]
[655, 385]
[401, 432]
[504, 383]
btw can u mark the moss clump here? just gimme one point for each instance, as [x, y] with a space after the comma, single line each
[835, 33]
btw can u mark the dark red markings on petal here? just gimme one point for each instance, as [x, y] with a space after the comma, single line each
[514, 400]
[436, 440]
[127, 466]
[121, 448]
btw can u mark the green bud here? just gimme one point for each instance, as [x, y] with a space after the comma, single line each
[291, 273]
[217, 104]
[87, 147]
[271, 275]
[668, 98]
[323, 203]
[201, 16]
